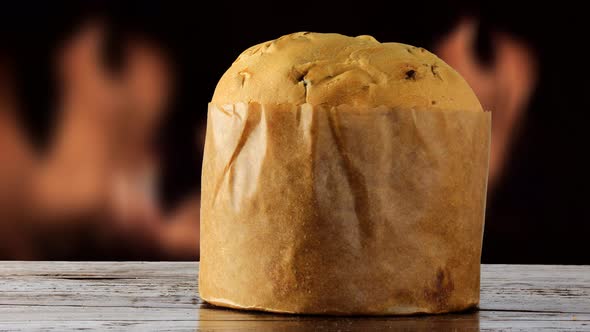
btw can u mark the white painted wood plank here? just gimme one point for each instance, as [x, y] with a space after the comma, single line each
[139, 326]
[68, 313]
[163, 296]
[166, 284]
[58, 269]
[94, 292]
[135, 284]
[535, 288]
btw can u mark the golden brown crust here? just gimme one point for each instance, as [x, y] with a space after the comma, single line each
[332, 69]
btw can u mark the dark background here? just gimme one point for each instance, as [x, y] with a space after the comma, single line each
[538, 212]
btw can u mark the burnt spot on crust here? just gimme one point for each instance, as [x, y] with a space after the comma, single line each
[413, 49]
[410, 74]
[434, 71]
[440, 290]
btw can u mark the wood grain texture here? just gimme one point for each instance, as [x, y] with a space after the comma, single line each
[163, 296]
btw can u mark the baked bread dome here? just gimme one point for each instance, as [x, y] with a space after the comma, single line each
[343, 176]
[332, 69]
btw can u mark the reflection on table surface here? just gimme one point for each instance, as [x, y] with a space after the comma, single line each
[214, 318]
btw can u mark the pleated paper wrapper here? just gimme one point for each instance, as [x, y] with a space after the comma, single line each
[343, 210]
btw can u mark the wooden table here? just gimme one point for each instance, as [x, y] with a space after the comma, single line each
[58, 296]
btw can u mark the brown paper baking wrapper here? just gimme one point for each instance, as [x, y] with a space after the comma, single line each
[343, 210]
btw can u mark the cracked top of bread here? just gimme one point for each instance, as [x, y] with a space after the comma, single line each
[331, 69]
